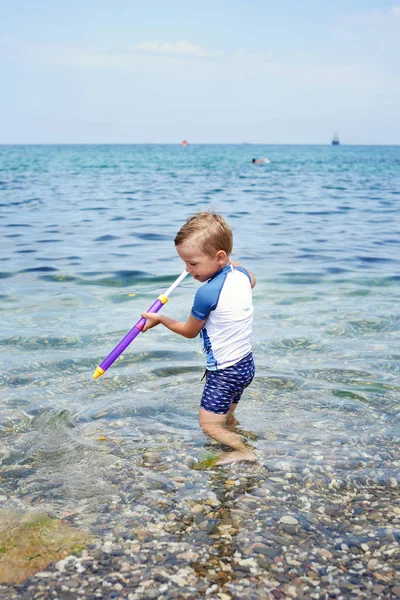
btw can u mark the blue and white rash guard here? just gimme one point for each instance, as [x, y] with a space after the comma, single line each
[225, 303]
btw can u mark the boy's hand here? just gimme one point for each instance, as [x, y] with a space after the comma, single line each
[152, 319]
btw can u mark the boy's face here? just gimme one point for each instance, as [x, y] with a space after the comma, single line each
[201, 266]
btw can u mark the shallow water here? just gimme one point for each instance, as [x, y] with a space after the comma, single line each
[87, 245]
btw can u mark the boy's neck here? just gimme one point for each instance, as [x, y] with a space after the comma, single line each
[225, 264]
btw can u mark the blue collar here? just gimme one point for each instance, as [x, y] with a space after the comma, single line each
[228, 267]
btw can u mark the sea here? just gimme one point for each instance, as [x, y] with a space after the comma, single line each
[87, 244]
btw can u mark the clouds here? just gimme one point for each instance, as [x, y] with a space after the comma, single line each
[373, 30]
[378, 18]
[189, 50]
[211, 86]
[145, 55]
[180, 48]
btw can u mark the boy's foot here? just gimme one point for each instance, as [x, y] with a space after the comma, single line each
[235, 456]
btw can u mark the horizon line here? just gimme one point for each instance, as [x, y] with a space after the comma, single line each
[191, 144]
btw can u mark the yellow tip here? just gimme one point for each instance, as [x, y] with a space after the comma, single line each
[98, 372]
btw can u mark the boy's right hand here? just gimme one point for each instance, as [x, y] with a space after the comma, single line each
[152, 319]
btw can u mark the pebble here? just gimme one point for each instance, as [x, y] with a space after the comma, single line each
[288, 520]
[373, 564]
[232, 533]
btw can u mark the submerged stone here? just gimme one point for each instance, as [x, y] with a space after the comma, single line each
[208, 460]
[30, 542]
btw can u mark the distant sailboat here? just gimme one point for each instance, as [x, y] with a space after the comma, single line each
[335, 140]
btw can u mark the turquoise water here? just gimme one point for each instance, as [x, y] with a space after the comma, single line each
[87, 245]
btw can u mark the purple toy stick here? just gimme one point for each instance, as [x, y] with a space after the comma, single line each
[137, 328]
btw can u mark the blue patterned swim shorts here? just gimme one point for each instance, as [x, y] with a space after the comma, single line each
[225, 387]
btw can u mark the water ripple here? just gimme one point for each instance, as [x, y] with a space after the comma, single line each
[319, 229]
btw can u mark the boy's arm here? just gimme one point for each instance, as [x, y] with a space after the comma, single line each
[253, 279]
[189, 329]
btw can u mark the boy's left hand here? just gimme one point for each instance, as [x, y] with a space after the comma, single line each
[152, 319]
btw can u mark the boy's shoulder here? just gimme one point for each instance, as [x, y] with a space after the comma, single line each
[207, 296]
[213, 286]
[243, 270]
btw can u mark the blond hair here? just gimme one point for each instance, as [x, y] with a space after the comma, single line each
[210, 231]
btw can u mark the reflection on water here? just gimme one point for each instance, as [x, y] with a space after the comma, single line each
[88, 245]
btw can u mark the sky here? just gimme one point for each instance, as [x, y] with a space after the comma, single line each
[256, 71]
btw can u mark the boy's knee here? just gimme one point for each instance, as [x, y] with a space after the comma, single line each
[204, 425]
[210, 427]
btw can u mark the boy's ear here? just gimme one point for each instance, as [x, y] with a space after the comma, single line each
[221, 256]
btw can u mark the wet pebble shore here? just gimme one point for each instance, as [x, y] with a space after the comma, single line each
[265, 531]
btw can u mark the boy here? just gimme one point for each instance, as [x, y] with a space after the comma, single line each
[222, 313]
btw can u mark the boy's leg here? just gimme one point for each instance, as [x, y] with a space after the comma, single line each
[221, 395]
[230, 417]
[214, 426]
